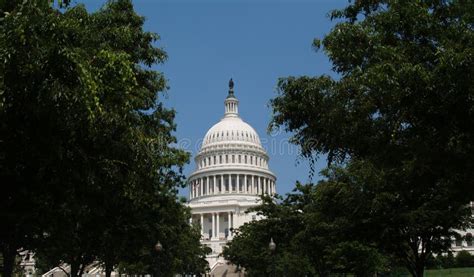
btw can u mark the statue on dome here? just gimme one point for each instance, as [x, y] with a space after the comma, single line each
[231, 84]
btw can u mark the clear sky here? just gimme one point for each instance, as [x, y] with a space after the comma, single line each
[254, 42]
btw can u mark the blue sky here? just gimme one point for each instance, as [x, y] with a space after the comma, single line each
[255, 43]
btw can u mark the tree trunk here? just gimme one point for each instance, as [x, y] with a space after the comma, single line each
[74, 269]
[417, 268]
[108, 269]
[420, 271]
[420, 267]
[9, 255]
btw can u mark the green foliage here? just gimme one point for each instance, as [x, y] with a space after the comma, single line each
[249, 247]
[433, 262]
[319, 230]
[86, 166]
[464, 259]
[447, 261]
[182, 252]
[402, 104]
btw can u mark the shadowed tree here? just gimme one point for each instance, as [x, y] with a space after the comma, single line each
[319, 230]
[402, 103]
[87, 167]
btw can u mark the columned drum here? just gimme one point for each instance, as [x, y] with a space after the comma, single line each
[231, 174]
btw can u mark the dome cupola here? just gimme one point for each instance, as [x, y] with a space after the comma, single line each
[231, 103]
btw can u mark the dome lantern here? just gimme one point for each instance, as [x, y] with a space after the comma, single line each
[231, 103]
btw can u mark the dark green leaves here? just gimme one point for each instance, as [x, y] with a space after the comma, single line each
[87, 170]
[402, 104]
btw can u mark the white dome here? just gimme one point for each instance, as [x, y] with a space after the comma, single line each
[231, 129]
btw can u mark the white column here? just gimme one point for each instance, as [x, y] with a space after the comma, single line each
[229, 223]
[195, 189]
[201, 185]
[202, 225]
[255, 179]
[238, 182]
[245, 184]
[254, 185]
[259, 185]
[222, 183]
[215, 186]
[252, 188]
[213, 226]
[217, 226]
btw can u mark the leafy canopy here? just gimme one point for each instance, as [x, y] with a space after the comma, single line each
[402, 103]
[86, 159]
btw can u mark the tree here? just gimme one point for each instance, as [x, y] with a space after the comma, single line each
[249, 247]
[181, 249]
[402, 103]
[464, 259]
[447, 261]
[319, 230]
[87, 169]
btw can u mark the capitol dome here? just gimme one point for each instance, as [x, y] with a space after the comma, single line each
[231, 174]
[231, 130]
